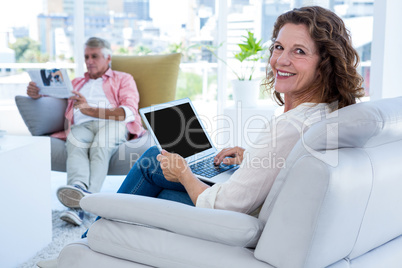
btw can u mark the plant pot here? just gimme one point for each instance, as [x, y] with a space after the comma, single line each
[246, 92]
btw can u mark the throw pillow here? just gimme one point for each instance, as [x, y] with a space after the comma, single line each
[42, 116]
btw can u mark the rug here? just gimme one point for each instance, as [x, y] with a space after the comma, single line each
[63, 234]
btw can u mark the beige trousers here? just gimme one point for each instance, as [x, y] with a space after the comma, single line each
[90, 146]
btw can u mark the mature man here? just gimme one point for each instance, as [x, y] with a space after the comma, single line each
[100, 115]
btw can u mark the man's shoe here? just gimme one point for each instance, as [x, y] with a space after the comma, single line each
[73, 216]
[70, 195]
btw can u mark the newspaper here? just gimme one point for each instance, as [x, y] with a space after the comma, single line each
[52, 82]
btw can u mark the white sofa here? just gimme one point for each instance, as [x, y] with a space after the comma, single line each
[337, 204]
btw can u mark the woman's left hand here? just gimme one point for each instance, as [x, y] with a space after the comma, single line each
[173, 166]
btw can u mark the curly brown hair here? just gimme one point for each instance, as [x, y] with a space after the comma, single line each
[338, 80]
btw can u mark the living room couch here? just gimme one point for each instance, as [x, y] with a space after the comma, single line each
[156, 79]
[337, 203]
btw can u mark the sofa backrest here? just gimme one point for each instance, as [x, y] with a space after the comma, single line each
[336, 198]
[155, 75]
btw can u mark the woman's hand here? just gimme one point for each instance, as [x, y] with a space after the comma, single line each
[174, 167]
[230, 156]
[33, 91]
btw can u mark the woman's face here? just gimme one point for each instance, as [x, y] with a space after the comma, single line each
[294, 61]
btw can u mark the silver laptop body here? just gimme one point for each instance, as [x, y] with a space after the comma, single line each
[176, 127]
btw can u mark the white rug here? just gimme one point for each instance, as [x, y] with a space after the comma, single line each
[63, 234]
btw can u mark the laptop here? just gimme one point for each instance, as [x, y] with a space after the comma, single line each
[176, 127]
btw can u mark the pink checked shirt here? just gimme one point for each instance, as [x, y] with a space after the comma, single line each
[120, 89]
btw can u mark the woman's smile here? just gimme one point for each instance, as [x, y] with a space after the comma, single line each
[281, 74]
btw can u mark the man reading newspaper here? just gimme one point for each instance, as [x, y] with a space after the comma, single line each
[53, 82]
[102, 111]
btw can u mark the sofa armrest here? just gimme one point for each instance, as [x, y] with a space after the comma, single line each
[226, 227]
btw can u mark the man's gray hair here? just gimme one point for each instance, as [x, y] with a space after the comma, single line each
[96, 42]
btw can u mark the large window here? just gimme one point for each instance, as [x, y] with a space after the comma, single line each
[43, 32]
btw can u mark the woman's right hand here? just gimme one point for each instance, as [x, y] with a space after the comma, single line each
[33, 91]
[230, 156]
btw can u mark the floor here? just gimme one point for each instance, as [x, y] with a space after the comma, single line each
[111, 184]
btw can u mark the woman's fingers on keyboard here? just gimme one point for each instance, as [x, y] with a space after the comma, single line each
[227, 152]
[230, 156]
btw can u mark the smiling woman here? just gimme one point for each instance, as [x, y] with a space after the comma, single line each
[302, 70]
[313, 60]
[294, 62]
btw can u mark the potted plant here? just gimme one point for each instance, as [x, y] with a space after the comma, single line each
[245, 88]
[249, 55]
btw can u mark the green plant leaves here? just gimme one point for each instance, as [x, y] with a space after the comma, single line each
[249, 48]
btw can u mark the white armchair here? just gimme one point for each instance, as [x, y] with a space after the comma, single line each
[336, 204]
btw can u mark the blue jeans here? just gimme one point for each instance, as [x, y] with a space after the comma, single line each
[146, 178]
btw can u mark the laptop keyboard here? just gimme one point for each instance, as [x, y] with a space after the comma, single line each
[208, 169]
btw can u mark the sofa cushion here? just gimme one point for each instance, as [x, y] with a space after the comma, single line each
[155, 75]
[59, 154]
[79, 255]
[227, 227]
[42, 116]
[161, 248]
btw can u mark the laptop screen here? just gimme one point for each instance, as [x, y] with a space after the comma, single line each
[178, 130]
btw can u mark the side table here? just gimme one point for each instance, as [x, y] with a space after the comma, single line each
[26, 221]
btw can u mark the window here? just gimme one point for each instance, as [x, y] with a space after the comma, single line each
[157, 26]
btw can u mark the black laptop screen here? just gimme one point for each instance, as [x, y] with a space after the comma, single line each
[178, 130]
